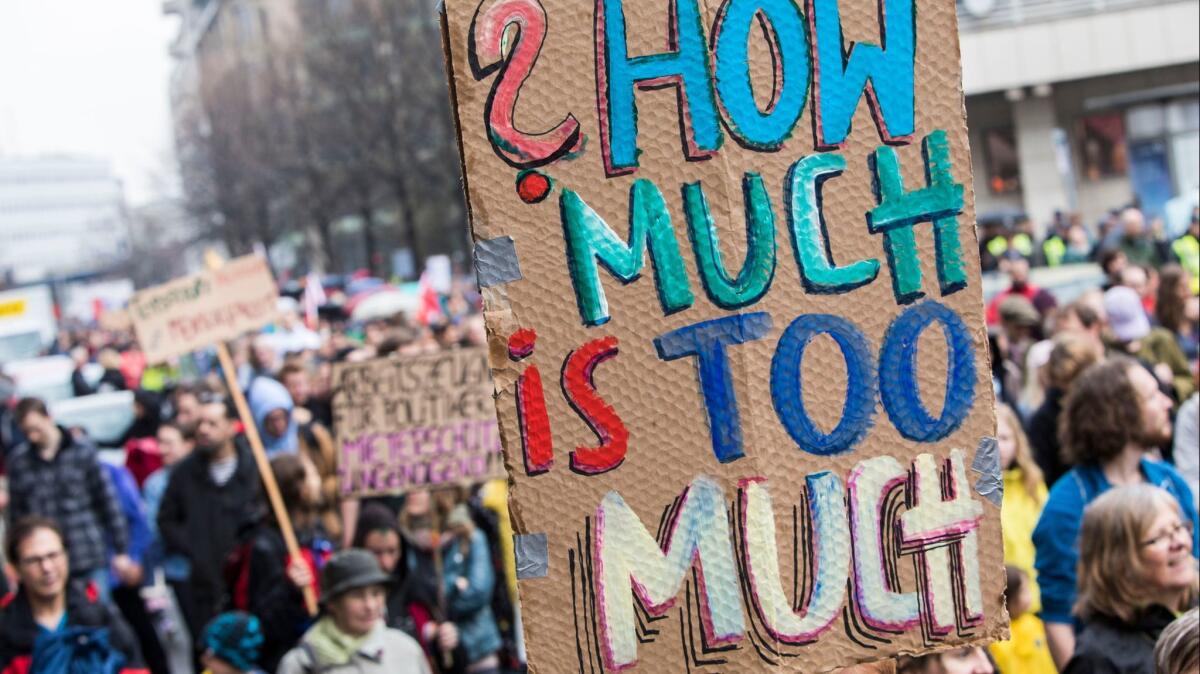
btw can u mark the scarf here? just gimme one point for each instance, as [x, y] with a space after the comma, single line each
[330, 646]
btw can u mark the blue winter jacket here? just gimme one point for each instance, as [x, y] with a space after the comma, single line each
[470, 609]
[1056, 536]
[130, 499]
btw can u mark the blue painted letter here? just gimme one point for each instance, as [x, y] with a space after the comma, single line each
[898, 373]
[707, 341]
[787, 389]
[757, 271]
[685, 66]
[885, 71]
[787, 38]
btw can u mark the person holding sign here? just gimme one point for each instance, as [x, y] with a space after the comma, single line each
[268, 583]
[458, 565]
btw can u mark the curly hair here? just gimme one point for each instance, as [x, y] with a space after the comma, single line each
[1101, 415]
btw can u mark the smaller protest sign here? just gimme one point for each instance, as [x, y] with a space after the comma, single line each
[405, 423]
[203, 309]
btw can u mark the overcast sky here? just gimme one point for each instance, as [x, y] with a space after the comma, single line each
[89, 77]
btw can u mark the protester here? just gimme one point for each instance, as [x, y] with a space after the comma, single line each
[1017, 267]
[1136, 570]
[185, 402]
[1186, 251]
[1071, 355]
[1112, 418]
[57, 475]
[272, 408]
[1171, 310]
[1113, 262]
[231, 644]
[270, 584]
[1187, 445]
[1136, 241]
[378, 533]
[1178, 647]
[211, 496]
[52, 616]
[970, 660]
[351, 636]
[466, 581]
[1024, 495]
[1026, 651]
[1156, 347]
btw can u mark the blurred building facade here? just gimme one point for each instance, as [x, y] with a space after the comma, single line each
[59, 216]
[1082, 105]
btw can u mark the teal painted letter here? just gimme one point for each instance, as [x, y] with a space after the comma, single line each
[590, 241]
[758, 269]
[810, 241]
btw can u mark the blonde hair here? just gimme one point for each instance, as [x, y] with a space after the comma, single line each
[1178, 648]
[1031, 475]
[1111, 573]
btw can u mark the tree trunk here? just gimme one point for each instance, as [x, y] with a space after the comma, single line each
[324, 227]
[411, 235]
[369, 241]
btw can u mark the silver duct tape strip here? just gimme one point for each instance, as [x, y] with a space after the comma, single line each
[532, 553]
[496, 262]
[990, 484]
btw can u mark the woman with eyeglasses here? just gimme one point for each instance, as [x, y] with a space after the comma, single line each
[1136, 574]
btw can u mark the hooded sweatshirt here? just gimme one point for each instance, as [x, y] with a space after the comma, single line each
[265, 396]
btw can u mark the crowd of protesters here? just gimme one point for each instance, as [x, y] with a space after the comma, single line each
[173, 562]
[176, 556]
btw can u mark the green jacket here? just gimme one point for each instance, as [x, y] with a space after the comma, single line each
[1160, 346]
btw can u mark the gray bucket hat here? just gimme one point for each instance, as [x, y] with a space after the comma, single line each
[350, 570]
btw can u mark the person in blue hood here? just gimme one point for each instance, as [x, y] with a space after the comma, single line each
[271, 405]
[273, 410]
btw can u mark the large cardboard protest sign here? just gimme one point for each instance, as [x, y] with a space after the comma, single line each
[412, 422]
[197, 311]
[732, 294]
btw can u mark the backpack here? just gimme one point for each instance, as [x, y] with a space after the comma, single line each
[76, 650]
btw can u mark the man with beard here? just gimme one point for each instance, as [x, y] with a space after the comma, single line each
[211, 495]
[1113, 417]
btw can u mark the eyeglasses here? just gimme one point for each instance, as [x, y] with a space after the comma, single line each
[35, 562]
[1184, 528]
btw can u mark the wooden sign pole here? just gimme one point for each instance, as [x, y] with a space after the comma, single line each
[260, 458]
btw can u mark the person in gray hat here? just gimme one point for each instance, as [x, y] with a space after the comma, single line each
[350, 636]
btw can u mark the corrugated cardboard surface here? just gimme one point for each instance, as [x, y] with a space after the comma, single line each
[415, 422]
[660, 402]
